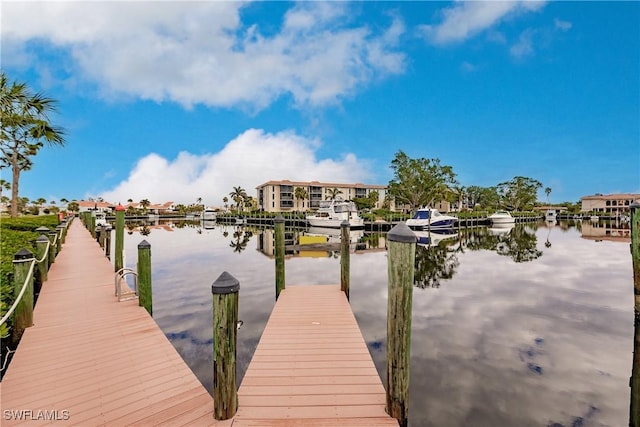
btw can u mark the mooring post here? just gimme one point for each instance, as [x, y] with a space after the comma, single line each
[344, 257]
[225, 324]
[144, 277]
[634, 411]
[65, 226]
[54, 246]
[107, 242]
[41, 251]
[400, 259]
[100, 235]
[279, 242]
[119, 262]
[23, 314]
[59, 229]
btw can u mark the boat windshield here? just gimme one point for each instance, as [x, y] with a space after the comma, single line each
[421, 215]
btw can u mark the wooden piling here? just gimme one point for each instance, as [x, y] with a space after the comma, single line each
[144, 277]
[59, 229]
[279, 249]
[225, 320]
[53, 247]
[23, 314]
[119, 262]
[41, 251]
[344, 257]
[92, 225]
[401, 258]
[107, 243]
[634, 410]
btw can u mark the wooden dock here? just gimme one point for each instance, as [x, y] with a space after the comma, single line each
[92, 361]
[312, 366]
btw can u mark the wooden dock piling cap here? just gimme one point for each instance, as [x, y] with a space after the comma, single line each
[402, 233]
[42, 239]
[119, 207]
[279, 219]
[144, 245]
[225, 284]
[42, 229]
[23, 253]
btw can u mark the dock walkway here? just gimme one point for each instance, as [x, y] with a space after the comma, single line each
[312, 366]
[92, 361]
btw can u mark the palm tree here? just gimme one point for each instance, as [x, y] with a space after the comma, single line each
[225, 200]
[333, 193]
[238, 195]
[547, 191]
[301, 193]
[25, 127]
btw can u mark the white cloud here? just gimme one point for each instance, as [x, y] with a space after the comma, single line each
[252, 158]
[202, 52]
[466, 19]
[524, 46]
[562, 25]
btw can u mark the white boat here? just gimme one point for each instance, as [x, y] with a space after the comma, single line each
[208, 215]
[550, 215]
[501, 217]
[332, 213]
[427, 218]
[101, 219]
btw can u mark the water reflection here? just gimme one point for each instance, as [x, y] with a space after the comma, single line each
[510, 337]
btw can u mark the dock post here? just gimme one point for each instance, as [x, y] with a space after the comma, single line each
[400, 270]
[92, 226]
[41, 251]
[634, 382]
[23, 314]
[119, 262]
[225, 320]
[59, 230]
[144, 277]
[344, 257]
[65, 224]
[279, 242]
[107, 243]
[53, 248]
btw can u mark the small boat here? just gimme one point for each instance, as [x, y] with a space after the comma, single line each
[101, 219]
[501, 217]
[427, 218]
[332, 213]
[594, 218]
[208, 215]
[550, 215]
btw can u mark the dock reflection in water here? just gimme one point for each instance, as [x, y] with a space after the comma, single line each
[506, 331]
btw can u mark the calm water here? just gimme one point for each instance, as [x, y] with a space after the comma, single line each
[531, 326]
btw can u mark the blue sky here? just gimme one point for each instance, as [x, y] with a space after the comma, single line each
[181, 100]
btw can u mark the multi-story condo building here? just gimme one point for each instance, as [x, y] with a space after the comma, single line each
[613, 204]
[280, 196]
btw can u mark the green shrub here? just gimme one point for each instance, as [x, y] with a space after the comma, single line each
[15, 234]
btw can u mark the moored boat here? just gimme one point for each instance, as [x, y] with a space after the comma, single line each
[332, 213]
[501, 217]
[427, 218]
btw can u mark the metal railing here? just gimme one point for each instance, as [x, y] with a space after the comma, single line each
[119, 276]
